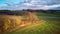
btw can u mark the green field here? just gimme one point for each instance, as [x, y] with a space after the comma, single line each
[57, 14]
[49, 26]
[46, 27]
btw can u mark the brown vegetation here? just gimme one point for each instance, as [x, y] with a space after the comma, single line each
[8, 22]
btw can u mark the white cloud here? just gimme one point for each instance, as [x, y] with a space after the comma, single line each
[45, 7]
[52, 6]
[32, 4]
[28, 4]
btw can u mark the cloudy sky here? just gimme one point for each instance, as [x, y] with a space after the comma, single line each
[30, 4]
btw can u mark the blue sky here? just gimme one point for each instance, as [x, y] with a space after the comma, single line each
[30, 4]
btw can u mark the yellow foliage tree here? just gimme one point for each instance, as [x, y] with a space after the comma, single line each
[18, 21]
[6, 24]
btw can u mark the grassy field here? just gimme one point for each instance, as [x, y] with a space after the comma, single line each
[47, 14]
[49, 26]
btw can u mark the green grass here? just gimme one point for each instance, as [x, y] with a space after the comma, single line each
[49, 26]
[46, 14]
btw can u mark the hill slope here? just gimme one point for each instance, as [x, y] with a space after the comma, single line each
[47, 27]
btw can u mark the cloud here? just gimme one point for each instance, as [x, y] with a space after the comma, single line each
[28, 4]
[31, 4]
